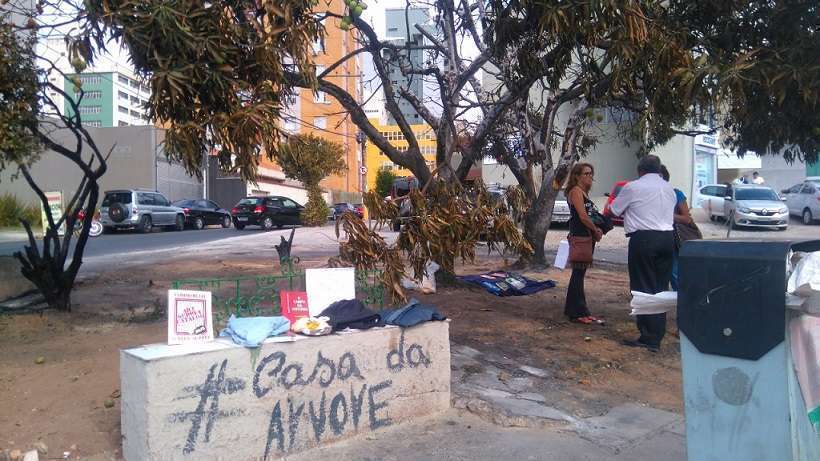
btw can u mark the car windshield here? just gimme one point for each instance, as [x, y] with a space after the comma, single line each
[250, 201]
[815, 183]
[755, 194]
[183, 203]
[117, 197]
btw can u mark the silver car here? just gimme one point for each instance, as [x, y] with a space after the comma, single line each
[560, 211]
[139, 209]
[804, 199]
[755, 206]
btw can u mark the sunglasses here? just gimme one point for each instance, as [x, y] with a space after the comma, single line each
[588, 173]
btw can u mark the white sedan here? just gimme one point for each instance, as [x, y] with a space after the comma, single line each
[711, 198]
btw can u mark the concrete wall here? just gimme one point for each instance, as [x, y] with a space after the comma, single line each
[677, 155]
[779, 174]
[131, 165]
[222, 401]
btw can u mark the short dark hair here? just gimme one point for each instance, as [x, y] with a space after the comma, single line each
[649, 164]
[665, 173]
[755, 173]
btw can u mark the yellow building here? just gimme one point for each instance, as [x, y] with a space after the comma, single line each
[375, 159]
[321, 115]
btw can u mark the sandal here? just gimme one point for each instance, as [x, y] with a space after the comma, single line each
[582, 320]
[596, 320]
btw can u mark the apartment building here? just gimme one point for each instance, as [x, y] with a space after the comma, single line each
[108, 99]
[376, 159]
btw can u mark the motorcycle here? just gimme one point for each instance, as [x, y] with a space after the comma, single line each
[96, 226]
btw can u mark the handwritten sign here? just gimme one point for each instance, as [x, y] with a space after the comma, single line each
[55, 204]
[294, 305]
[326, 286]
[190, 319]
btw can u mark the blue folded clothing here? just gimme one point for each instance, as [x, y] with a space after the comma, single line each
[251, 331]
[411, 314]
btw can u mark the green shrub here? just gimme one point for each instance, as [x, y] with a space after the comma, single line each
[384, 182]
[12, 209]
[316, 210]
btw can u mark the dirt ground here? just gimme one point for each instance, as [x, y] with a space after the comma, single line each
[70, 400]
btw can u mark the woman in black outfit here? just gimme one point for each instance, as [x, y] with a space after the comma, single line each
[580, 224]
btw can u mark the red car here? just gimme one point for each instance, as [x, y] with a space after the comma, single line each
[617, 220]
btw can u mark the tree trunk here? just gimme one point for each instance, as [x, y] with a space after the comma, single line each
[536, 224]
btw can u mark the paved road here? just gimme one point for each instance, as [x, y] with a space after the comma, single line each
[129, 241]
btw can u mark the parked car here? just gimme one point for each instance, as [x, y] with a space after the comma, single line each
[711, 199]
[804, 199]
[339, 208]
[200, 213]
[266, 212]
[139, 209]
[560, 211]
[359, 207]
[755, 206]
[616, 189]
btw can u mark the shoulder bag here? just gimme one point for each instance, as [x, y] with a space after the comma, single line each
[686, 232]
[580, 249]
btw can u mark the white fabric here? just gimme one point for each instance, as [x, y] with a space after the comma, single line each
[647, 203]
[562, 255]
[758, 180]
[647, 304]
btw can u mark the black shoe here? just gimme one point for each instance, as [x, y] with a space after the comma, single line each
[636, 343]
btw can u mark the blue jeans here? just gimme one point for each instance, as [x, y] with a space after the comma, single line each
[674, 280]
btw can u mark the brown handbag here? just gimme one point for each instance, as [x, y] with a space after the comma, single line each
[580, 249]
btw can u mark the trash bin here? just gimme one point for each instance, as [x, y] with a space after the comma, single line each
[741, 395]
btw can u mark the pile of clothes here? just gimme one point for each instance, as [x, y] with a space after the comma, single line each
[341, 315]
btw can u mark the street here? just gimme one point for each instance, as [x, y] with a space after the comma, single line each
[133, 247]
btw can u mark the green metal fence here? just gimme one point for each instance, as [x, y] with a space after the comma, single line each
[251, 296]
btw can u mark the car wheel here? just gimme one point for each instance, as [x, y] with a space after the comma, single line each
[199, 224]
[239, 226]
[180, 223]
[782, 228]
[712, 217]
[226, 222]
[807, 217]
[267, 223]
[145, 224]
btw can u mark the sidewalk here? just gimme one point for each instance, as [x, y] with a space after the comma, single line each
[12, 235]
[457, 436]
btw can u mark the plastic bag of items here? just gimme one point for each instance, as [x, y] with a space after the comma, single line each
[428, 280]
[803, 287]
[646, 304]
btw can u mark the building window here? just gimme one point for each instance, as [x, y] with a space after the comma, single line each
[135, 100]
[123, 79]
[320, 122]
[291, 126]
[320, 97]
[93, 123]
[90, 109]
[90, 79]
[318, 47]
[122, 95]
[123, 110]
[88, 95]
[136, 114]
[134, 84]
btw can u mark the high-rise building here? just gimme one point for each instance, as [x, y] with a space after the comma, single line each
[319, 114]
[376, 159]
[109, 99]
[398, 34]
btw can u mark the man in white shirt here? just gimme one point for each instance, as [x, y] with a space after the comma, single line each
[757, 179]
[648, 205]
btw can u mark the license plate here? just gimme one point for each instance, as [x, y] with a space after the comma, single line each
[242, 218]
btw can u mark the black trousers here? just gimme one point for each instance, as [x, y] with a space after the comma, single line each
[650, 269]
[576, 303]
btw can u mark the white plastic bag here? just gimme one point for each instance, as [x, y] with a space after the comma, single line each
[428, 280]
[646, 304]
[561, 255]
[805, 279]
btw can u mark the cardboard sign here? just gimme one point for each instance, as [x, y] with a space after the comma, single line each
[55, 204]
[294, 305]
[190, 319]
[326, 286]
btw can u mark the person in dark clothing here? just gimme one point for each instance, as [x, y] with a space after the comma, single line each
[648, 207]
[581, 225]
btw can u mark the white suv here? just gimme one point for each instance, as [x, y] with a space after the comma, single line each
[139, 209]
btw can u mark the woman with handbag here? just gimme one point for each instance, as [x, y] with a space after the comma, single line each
[583, 234]
[685, 227]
